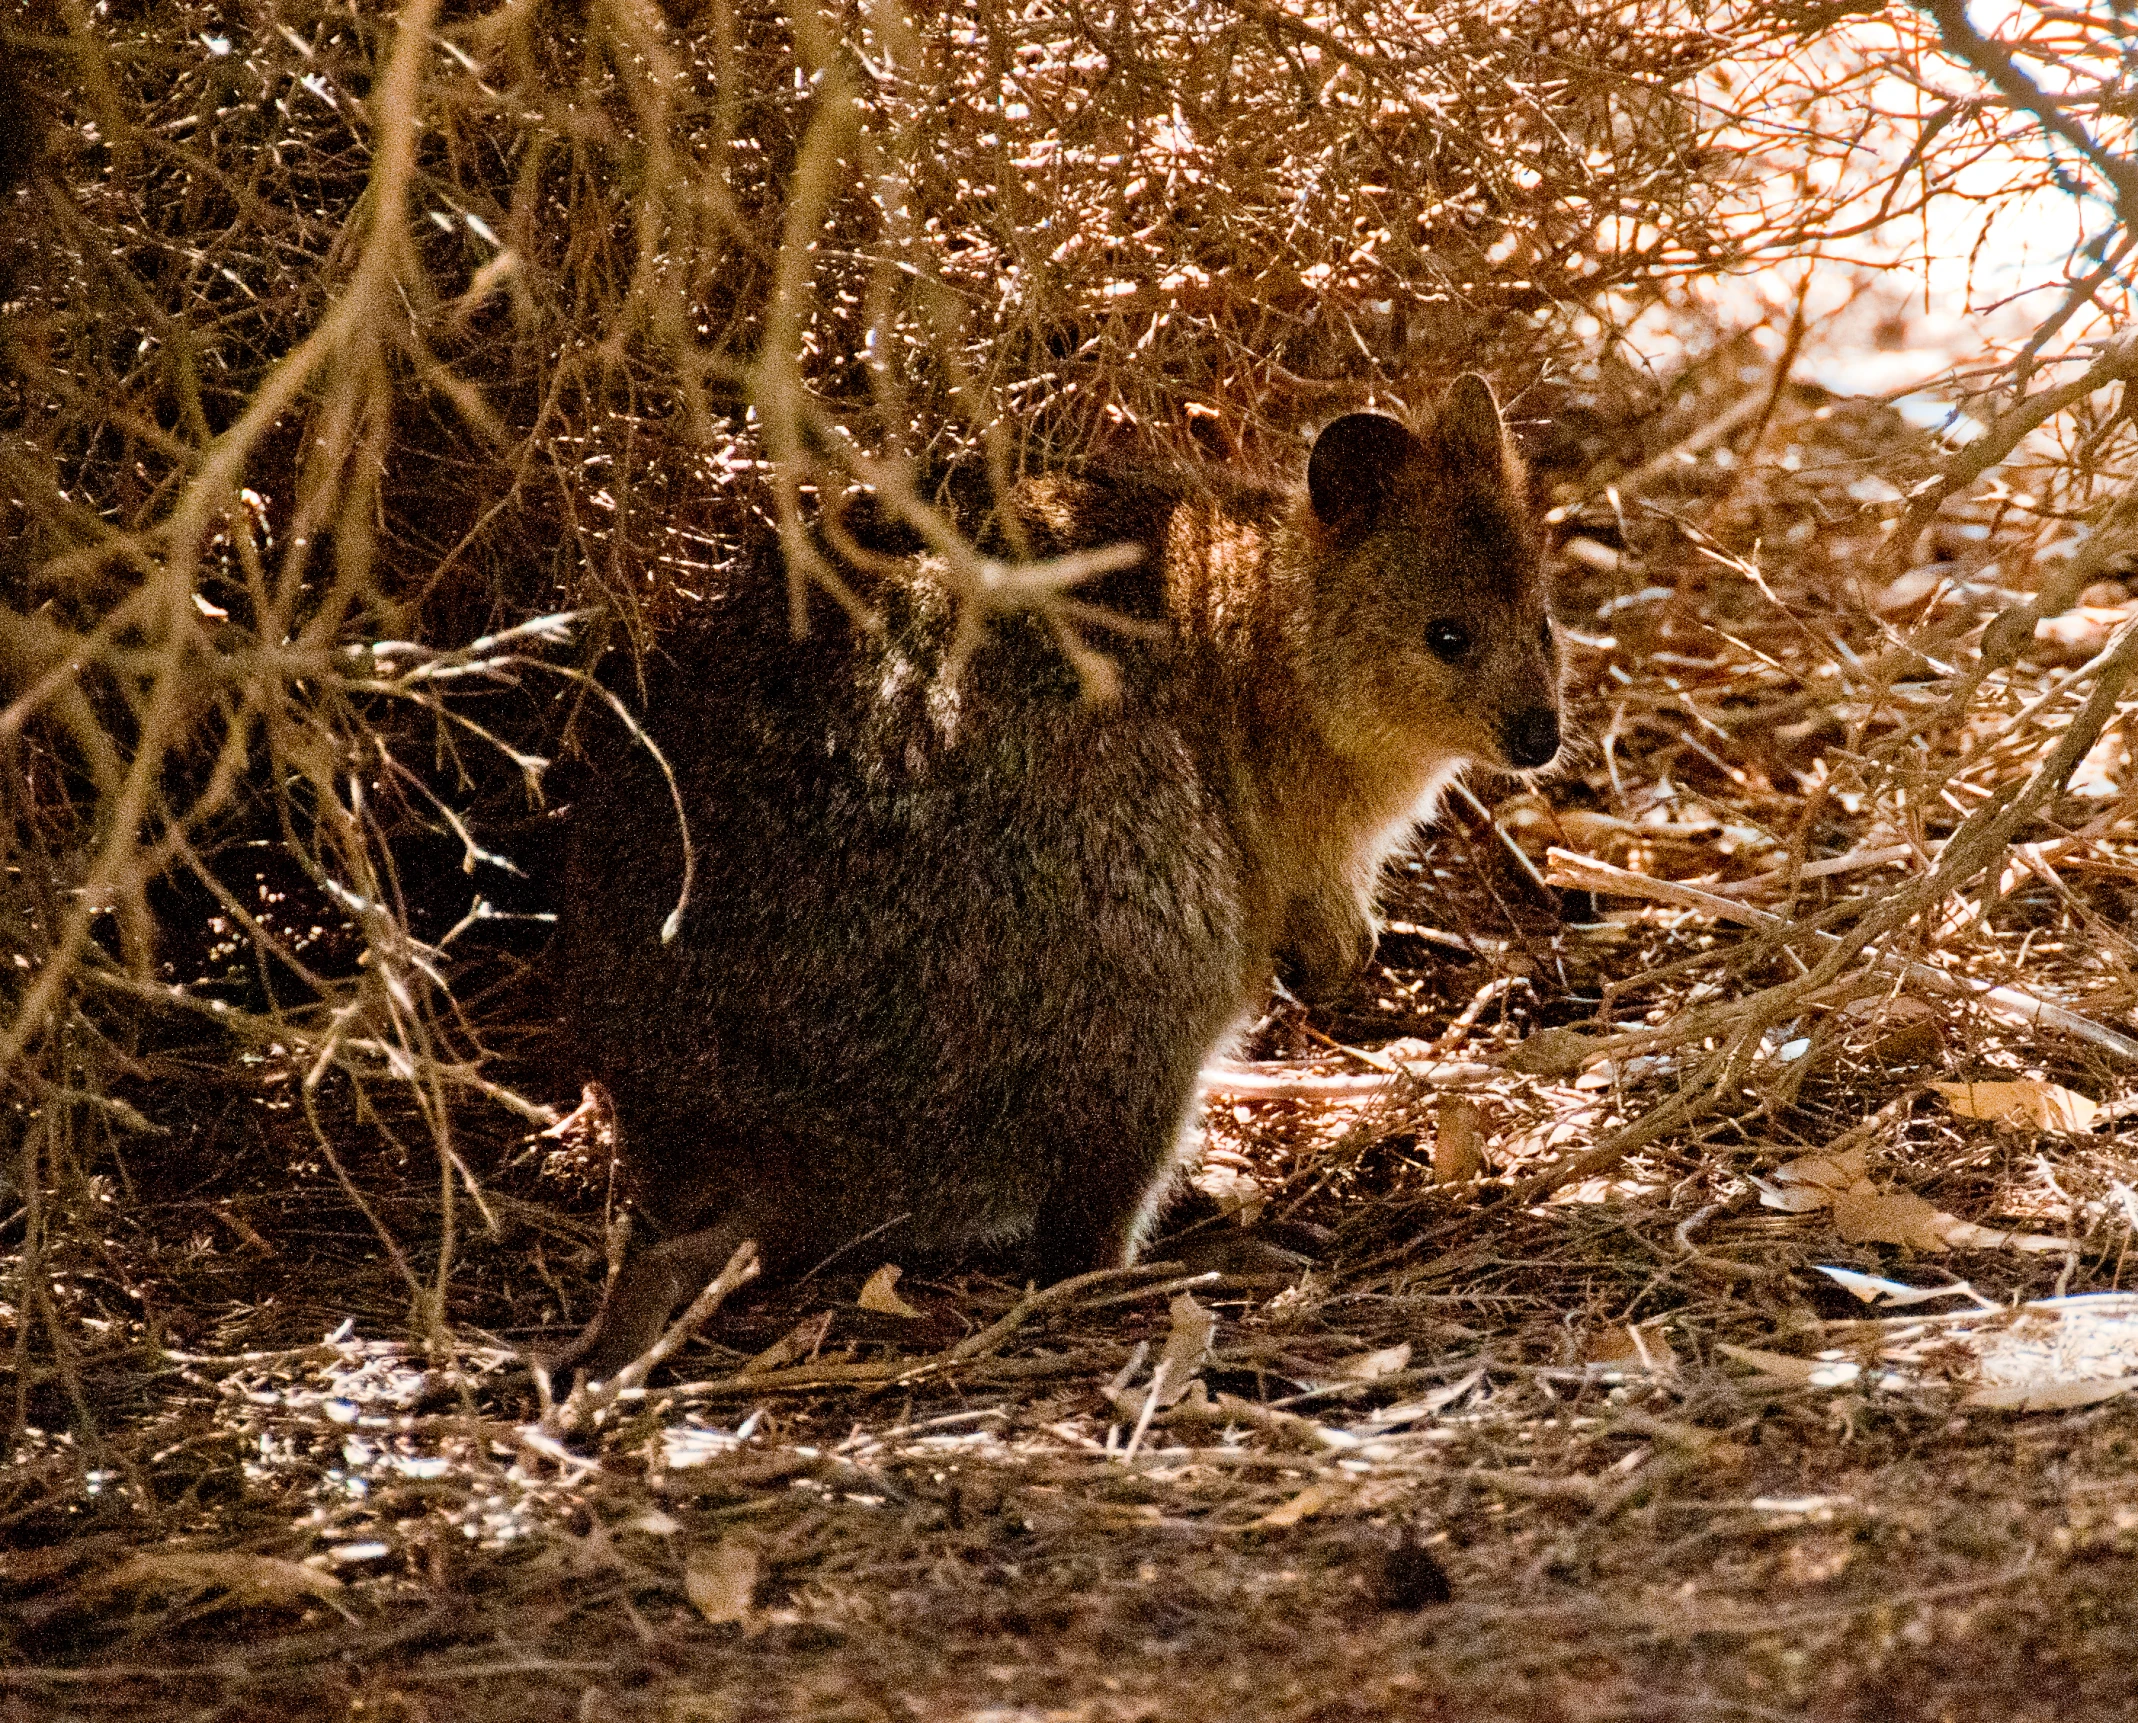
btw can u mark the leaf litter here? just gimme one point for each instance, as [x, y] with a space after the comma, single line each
[1573, 1398]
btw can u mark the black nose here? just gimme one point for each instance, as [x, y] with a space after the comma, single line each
[1531, 738]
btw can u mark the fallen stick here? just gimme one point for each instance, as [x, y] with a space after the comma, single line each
[1891, 854]
[588, 1398]
[996, 1333]
[1277, 1083]
[905, 1370]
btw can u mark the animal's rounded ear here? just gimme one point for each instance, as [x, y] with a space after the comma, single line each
[1354, 466]
[1468, 434]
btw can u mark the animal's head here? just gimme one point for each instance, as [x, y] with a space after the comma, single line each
[1430, 640]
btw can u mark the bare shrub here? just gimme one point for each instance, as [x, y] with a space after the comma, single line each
[349, 351]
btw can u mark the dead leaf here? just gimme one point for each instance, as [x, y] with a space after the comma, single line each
[1372, 1366]
[1792, 1198]
[798, 1343]
[2026, 1103]
[1309, 1501]
[1777, 1366]
[1235, 1192]
[2063, 1396]
[1907, 590]
[1642, 1346]
[1458, 1142]
[2054, 1354]
[1435, 1401]
[1584, 826]
[877, 1293]
[1894, 1030]
[1811, 1181]
[1187, 1345]
[1966, 1235]
[1654, 1348]
[248, 1579]
[1876, 1289]
[722, 1581]
[1552, 1053]
[1825, 1171]
[1867, 1214]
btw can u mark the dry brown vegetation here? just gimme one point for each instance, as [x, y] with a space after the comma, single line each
[365, 378]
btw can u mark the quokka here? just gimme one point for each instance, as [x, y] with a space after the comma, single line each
[962, 939]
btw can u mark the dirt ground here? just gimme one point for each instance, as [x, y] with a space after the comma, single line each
[1615, 1449]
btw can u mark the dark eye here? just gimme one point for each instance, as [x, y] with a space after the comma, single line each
[1449, 640]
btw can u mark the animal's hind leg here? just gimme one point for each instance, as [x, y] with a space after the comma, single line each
[1098, 1212]
[652, 1284]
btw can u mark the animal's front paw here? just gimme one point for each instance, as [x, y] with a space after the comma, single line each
[1238, 1253]
[1328, 950]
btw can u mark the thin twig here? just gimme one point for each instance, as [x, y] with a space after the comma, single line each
[2013, 1004]
[589, 1399]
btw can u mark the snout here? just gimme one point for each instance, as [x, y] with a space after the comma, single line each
[1530, 738]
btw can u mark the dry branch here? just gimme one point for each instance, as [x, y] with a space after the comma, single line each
[2013, 1004]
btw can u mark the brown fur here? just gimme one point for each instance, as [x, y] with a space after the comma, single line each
[963, 939]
